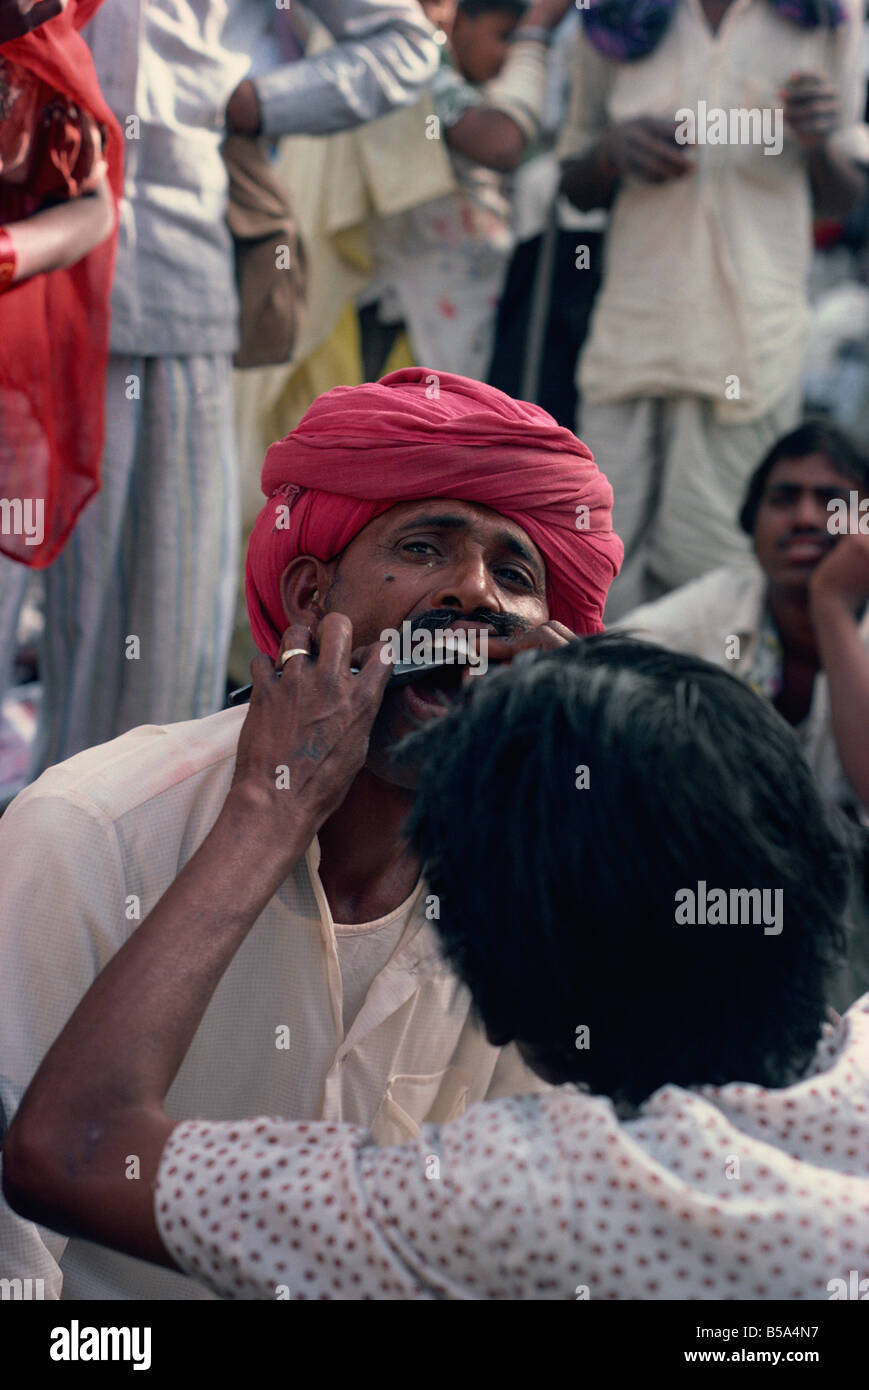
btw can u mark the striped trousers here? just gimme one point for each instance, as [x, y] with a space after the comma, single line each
[139, 605]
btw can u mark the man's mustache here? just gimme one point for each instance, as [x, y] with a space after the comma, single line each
[502, 624]
[814, 537]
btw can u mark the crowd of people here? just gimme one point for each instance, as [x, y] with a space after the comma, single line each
[541, 978]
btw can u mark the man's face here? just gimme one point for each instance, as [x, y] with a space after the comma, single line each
[790, 533]
[453, 563]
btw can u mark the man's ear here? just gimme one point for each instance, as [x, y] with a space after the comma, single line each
[303, 584]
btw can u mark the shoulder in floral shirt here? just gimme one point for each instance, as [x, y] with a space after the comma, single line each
[729, 1193]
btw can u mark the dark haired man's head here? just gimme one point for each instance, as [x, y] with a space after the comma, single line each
[562, 806]
[785, 507]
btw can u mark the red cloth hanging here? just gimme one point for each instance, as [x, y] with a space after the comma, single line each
[54, 328]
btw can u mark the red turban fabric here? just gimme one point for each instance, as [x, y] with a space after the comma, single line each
[359, 450]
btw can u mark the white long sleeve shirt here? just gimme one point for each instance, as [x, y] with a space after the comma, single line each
[167, 69]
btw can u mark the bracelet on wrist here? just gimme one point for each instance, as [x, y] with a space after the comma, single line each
[8, 260]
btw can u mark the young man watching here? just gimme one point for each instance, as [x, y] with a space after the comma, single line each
[420, 498]
[792, 622]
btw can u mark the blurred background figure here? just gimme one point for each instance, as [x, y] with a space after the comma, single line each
[792, 622]
[692, 367]
[554, 273]
[139, 604]
[399, 218]
[836, 362]
[440, 265]
[61, 158]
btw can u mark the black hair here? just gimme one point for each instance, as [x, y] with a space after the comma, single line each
[474, 8]
[811, 437]
[557, 900]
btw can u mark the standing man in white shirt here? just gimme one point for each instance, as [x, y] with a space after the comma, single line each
[139, 605]
[712, 128]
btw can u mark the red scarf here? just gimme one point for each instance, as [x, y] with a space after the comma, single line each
[54, 329]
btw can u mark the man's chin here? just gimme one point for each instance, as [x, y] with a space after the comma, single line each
[395, 750]
[793, 578]
[387, 758]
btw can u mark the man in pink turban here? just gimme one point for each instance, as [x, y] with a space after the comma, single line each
[421, 499]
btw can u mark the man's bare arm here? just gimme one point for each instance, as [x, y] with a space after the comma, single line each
[811, 112]
[838, 184]
[491, 138]
[839, 590]
[59, 236]
[97, 1097]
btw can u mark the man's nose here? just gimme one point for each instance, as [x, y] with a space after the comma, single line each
[809, 513]
[465, 586]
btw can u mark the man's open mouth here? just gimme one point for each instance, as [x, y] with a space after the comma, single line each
[433, 693]
[806, 550]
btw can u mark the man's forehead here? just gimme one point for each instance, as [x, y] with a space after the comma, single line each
[808, 470]
[447, 511]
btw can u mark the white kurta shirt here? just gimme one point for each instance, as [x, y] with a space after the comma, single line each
[706, 274]
[730, 1193]
[85, 854]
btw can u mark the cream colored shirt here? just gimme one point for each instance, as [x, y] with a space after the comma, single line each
[85, 854]
[705, 275]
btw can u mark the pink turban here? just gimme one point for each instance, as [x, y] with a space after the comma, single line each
[359, 450]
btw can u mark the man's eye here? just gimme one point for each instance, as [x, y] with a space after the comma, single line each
[520, 576]
[419, 546]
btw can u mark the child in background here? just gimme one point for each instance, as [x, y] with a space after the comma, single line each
[440, 266]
